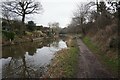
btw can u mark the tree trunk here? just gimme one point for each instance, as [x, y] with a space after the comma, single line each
[23, 18]
[118, 42]
[23, 21]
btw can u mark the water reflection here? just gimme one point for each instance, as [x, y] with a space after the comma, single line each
[29, 60]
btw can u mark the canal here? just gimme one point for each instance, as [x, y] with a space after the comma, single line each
[29, 60]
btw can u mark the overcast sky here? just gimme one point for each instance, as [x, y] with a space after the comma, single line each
[56, 11]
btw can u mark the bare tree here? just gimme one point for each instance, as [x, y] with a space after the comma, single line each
[55, 27]
[50, 24]
[81, 15]
[22, 7]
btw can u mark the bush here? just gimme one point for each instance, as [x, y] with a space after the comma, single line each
[114, 43]
[8, 35]
[31, 26]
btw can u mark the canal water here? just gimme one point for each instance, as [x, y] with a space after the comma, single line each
[29, 60]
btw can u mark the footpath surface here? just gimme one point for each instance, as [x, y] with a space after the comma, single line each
[89, 66]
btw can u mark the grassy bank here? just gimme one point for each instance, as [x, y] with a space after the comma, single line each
[65, 62]
[110, 63]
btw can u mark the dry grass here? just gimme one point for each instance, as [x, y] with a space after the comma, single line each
[65, 62]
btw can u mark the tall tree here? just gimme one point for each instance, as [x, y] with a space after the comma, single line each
[55, 27]
[81, 15]
[22, 7]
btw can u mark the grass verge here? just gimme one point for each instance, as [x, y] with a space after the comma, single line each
[65, 62]
[110, 63]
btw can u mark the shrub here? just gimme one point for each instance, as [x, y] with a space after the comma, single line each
[8, 35]
[114, 43]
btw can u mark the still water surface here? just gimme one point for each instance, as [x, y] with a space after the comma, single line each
[29, 60]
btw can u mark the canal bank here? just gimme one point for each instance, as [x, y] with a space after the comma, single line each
[24, 39]
[65, 62]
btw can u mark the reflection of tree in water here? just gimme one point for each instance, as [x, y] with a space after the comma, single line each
[16, 50]
[19, 68]
[64, 38]
[55, 43]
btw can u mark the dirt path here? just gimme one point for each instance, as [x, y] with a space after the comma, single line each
[89, 66]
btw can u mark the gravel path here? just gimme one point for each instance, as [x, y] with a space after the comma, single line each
[89, 66]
